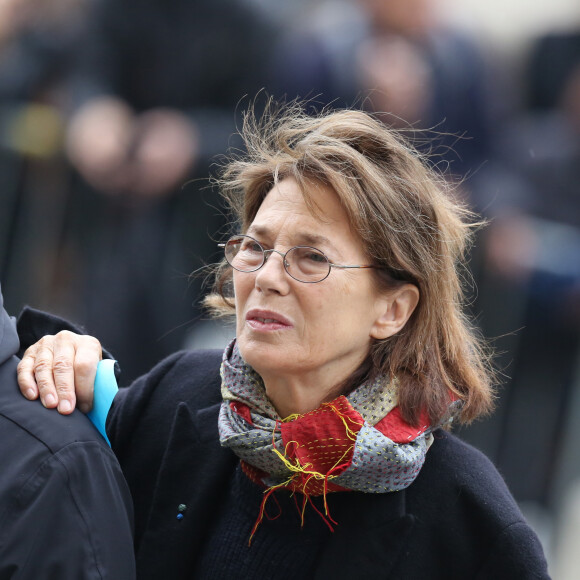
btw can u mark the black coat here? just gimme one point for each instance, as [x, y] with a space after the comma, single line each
[457, 520]
[65, 509]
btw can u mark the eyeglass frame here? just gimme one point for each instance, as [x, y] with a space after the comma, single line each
[266, 254]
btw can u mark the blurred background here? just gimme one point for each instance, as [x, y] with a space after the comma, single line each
[114, 112]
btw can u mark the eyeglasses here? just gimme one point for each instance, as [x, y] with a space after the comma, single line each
[303, 263]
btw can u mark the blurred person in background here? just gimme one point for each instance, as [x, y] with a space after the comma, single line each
[154, 92]
[532, 255]
[402, 59]
[38, 44]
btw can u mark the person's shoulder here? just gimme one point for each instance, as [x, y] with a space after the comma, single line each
[448, 447]
[461, 497]
[48, 454]
[189, 376]
[59, 468]
[201, 364]
[452, 458]
[40, 427]
[460, 472]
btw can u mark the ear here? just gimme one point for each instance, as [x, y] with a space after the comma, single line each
[393, 310]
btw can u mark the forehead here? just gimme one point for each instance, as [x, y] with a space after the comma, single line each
[286, 207]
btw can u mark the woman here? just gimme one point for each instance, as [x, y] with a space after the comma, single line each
[322, 454]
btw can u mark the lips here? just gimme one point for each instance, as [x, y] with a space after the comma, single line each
[267, 320]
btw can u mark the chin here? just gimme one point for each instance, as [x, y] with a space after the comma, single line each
[262, 356]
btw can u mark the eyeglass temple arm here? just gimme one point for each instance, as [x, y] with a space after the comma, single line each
[346, 267]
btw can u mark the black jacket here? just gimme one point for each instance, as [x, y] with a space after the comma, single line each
[65, 509]
[457, 520]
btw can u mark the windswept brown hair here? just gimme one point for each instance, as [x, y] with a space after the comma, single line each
[410, 223]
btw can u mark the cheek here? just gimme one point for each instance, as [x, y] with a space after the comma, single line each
[324, 315]
[349, 309]
[243, 284]
[242, 287]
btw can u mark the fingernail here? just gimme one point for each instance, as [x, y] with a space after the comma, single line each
[30, 394]
[64, 406]
[49, 400]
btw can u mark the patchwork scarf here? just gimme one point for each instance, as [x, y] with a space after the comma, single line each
[357, 442]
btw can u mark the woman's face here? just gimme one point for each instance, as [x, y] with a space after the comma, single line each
[291, 331]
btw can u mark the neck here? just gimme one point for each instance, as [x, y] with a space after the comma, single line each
[299, 395]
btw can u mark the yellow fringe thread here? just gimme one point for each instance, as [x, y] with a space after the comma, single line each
[301, 470]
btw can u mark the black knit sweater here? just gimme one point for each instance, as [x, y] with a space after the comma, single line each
[280, 548]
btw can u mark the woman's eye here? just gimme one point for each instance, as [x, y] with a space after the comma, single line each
[316, 257]
[250, 246]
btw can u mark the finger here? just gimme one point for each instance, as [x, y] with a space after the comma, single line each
[64, 350]
[43, 372]
[25, 372]
[88, 355]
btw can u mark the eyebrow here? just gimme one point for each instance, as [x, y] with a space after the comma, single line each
[304, 237]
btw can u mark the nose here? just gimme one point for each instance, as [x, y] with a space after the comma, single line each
[268, 253]
[272, 276]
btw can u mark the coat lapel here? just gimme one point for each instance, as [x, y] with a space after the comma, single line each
[173, 536]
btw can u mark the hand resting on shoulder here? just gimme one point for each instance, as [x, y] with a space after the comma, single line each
[61, 370]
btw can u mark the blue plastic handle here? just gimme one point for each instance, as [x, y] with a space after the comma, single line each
[105, 390]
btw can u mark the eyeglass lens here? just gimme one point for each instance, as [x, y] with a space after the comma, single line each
[303, 263]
